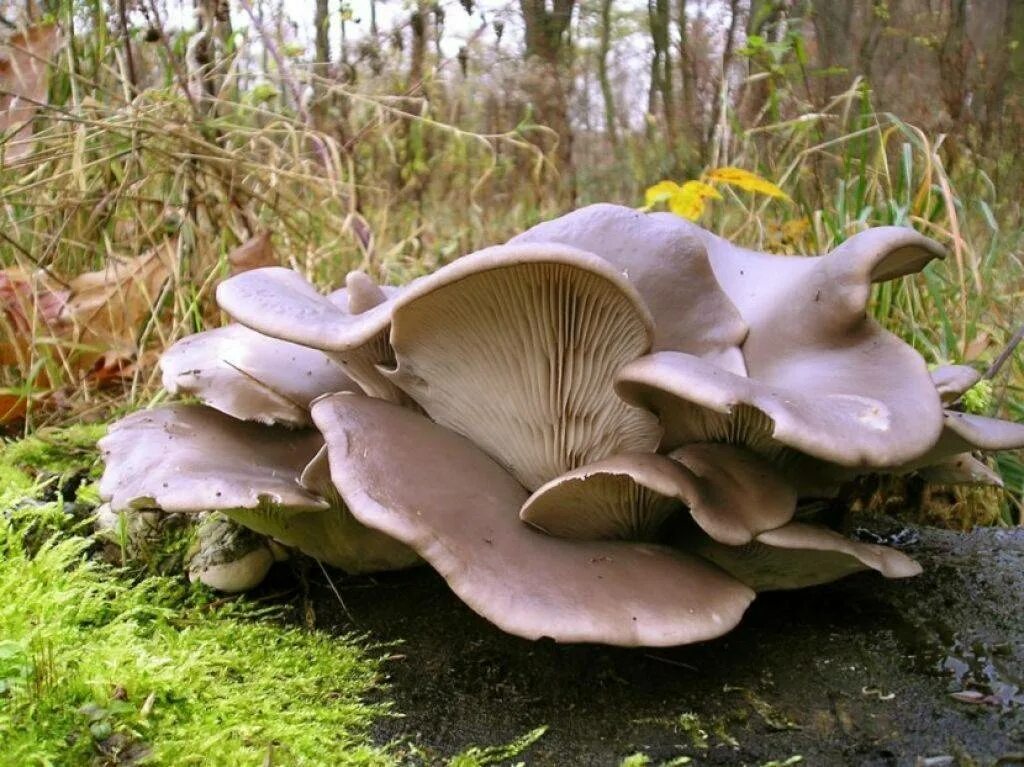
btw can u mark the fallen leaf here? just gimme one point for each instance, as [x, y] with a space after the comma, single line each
[254, 253]
[29, 304]
[107, 308]
[12, 408]
[23, 85]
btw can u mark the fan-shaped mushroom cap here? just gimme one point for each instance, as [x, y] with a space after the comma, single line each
[516, 347]
[251, 376]
[951, 381]
[963, 433]
[434, 490]
[189, 458]
[962, 469]
[281, 303]
[824, 377]
[670, 270]
[798, 555]
[825, 417]
[731, 494]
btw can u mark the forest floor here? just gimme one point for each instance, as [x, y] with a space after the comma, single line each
[926, 671]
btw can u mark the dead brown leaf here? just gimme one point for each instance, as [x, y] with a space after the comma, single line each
[29, 304]
[254, 253]
[24, 59]
[107, 308]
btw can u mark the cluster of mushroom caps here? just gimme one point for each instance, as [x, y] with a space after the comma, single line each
[597, 432]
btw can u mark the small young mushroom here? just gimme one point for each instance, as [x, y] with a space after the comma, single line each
[228, 557]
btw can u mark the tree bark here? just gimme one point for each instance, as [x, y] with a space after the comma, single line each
[610, 124]
[547, 58]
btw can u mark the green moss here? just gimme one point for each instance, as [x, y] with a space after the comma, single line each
[94, 668]
[65, 451]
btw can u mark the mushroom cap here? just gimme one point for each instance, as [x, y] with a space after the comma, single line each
[190, 458]
[798, 555]
[251, 376]
[825, 417]
[730, 493]
[824, 378]
[962, 469]
[516, 347]
[434, 490]
[964, 433]
[283, 304]
[669, 268]
[951, 381]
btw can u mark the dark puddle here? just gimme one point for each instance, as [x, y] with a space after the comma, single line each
[861, 672]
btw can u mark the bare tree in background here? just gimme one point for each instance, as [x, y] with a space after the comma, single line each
[547, 24]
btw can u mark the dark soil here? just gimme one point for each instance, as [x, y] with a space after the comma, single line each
[866, 671]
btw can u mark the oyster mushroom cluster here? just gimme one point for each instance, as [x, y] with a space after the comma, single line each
[597, 432]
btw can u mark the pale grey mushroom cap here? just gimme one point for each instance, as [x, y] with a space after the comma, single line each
[698, 402]
[281, 303]
[190, 458]
[671, 271]
[516, 347]
[434, 490]
[951, 381]
[732, 494]
[824, 378]
[962, 469]
[251, 376]
[963, 433]
[799, 555]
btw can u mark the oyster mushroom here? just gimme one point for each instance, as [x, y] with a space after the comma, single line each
[191, 459]
[817, 365]
[514, 347]
[459, 510]
[250, 376]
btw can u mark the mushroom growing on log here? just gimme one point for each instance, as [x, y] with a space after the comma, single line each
[600, 431]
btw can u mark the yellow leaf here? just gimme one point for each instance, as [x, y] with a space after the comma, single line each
[744, 179]
[660, 192]
[688, 200]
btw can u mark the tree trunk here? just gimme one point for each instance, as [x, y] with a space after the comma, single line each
[722, 87]
[322, 23]
[610, 126]
[547, 58]
[688, 81]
